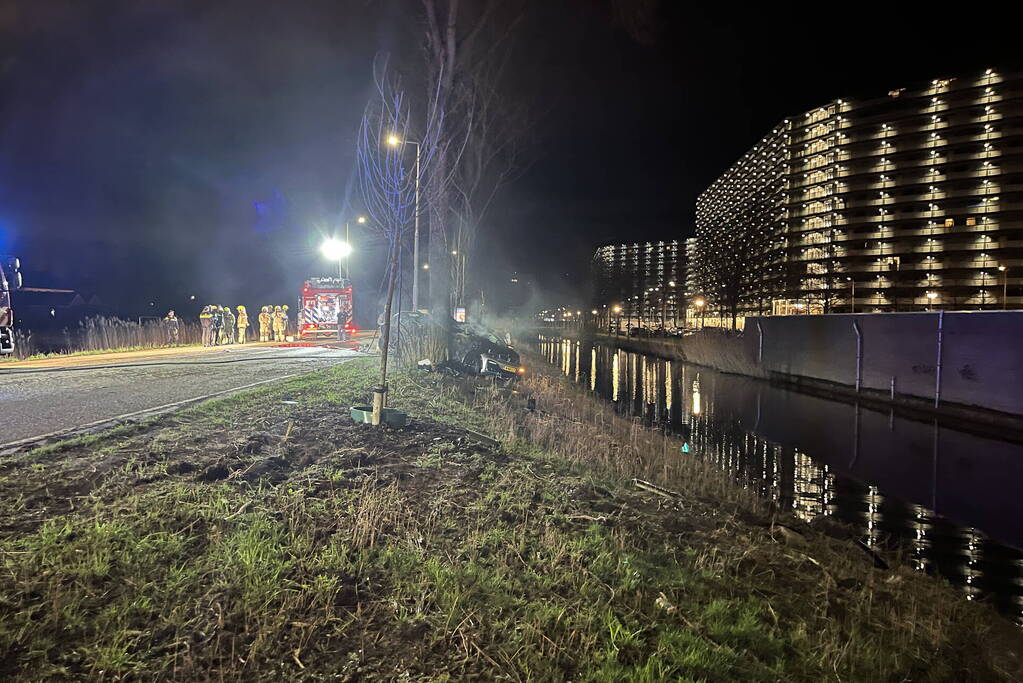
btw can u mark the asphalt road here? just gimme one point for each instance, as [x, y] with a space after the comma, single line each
[47, 400]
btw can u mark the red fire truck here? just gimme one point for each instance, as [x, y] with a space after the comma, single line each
[324, 301]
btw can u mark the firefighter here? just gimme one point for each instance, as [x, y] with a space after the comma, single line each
[243, 324]
[285, 323]
[229, 323]
[170, 323]
[265, 324]
[344, 320]
[206, 320]
[275, 323]
[218, 326]
[278, 324]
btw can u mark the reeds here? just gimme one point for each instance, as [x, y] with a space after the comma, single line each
[106, 334]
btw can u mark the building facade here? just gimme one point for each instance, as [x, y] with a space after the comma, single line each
[641, 284]
[910, 201]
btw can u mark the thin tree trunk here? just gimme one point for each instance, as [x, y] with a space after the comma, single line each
[386, 334]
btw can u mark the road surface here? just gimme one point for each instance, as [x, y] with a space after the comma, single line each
[41, 398]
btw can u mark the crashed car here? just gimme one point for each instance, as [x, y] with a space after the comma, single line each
[476, 350]
[482, 355]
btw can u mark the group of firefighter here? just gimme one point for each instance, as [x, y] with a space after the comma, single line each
[221, 326]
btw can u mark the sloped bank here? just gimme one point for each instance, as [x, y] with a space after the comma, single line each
[267, 537]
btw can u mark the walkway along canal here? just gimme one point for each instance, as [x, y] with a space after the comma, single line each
[948, 498]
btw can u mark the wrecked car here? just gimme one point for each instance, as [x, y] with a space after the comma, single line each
[476, 350]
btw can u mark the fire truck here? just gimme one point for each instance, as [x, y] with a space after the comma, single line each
[323, 299]
[10, 280]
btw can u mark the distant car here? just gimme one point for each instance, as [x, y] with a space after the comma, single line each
[640, 332]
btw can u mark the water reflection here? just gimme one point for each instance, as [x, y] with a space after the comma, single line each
[928, 487]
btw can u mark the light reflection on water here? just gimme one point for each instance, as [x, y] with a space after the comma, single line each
[880, 472]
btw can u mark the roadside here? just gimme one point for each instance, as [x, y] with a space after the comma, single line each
[136, 354]
[267, 536]
[82, 358]
[50, 401]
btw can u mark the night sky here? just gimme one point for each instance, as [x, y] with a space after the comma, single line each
[150, 150]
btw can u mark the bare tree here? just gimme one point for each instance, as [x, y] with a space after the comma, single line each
[495, 147]
[460, 43]
[732, 258]
[388, 185]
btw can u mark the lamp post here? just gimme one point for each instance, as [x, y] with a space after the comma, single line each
[360, 220]
[852, 298]
[617, 310]
[700, 303]
[337, 250]
[394, 141]
[1005, 286]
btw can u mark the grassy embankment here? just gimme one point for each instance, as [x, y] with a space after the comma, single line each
[265, 536]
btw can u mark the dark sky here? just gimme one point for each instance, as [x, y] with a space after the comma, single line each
[154, 149]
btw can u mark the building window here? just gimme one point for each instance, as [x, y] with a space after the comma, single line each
[971, 221]
[949, 223]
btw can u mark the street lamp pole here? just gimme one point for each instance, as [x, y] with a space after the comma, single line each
[1005, 286]
[852, 299]
[700, 303]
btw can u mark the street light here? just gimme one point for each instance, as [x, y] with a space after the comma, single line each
[1005, 286]
[348, 240]
[394, 141]
[931, 296]
[700, 303]
[336, 250]
[852, 299]
[617, 310]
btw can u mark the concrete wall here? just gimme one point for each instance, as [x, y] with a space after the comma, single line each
[981, 353]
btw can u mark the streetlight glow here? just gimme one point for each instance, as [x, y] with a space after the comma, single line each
[335, 249]
[393, 140]
[360, 219]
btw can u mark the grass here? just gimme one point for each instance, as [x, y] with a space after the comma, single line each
[252, 538]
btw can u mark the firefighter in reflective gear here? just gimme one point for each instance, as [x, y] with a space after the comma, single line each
[278, 334]
[229, 323]
[243, 324]
[170, 323]
[206, 320]
[218, 326]
[278, 323]
[285, 323]
[265, 324]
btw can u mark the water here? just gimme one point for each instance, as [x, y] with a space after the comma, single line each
[949, 498]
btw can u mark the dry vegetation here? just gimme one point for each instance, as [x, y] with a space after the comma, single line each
[267, 537]
[100, 335]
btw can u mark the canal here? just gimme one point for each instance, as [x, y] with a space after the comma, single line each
[949, 499]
